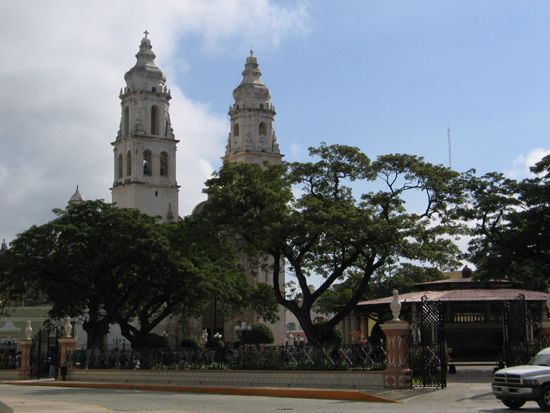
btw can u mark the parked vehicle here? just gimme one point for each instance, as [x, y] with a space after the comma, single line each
[516, 385]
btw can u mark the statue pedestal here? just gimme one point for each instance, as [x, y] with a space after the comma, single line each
[66, 346]
[24, 347]
[397, 374]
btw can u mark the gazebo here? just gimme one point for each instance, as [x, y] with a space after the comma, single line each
[480, 318]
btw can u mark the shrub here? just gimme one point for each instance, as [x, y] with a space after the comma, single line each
[151, 342]
[189, 343]
[258, 334]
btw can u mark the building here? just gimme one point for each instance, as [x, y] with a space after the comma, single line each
[477, 316]
[144, 170]
[145, 167]
[145, 146]
[251, 139]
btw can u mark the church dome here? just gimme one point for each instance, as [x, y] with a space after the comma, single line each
[251, 87]
[145, 74]
[76, 198]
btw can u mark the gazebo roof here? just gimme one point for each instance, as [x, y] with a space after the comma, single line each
[499, 294]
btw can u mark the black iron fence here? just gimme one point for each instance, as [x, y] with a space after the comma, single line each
[354, 357]
[8, 359]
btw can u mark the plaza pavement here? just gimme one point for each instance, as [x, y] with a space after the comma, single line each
[468, 390]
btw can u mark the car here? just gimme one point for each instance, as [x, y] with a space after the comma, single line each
[516, 385]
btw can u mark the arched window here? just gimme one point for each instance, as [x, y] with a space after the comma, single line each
[236, 129]
[163, 164]
[119, 166]
[129, 163]
[263, 129]
[155, 120]
[147, 165]
[126, 130]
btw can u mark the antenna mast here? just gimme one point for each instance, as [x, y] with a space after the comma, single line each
[449, 144]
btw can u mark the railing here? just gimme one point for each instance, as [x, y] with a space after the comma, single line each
[354, 357]
[475, 318]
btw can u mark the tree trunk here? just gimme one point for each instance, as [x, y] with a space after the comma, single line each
[96, 332]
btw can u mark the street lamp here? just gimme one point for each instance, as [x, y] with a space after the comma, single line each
[239, 328]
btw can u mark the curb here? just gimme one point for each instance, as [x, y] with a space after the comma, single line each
[349, 395]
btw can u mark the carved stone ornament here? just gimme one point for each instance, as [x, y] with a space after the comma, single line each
[28, 331]
[395, 306]
[68, 328]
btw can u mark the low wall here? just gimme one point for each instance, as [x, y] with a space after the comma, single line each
[11, 374]
[271, 378]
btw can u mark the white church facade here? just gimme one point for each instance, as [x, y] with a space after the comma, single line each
[144, 159]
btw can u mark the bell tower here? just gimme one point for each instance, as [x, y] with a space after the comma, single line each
[145, 146]
[252, 136]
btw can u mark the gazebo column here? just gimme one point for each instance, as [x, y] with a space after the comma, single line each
[397, 374]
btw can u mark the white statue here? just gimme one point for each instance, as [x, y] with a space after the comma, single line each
[395, 306]
[68, 328]
[204, 337]
[28, 331]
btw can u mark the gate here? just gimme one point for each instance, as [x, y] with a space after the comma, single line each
[43, 342]
[514, 332]
[428, 353]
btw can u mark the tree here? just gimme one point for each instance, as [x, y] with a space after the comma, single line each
[401, 277]
[511, 237]
[325, 230]
[114, 265]
[93, 261]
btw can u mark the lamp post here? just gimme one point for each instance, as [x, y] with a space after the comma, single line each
[240, 328]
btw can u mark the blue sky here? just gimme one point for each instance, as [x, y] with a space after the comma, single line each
[392, 76]
[386, 76]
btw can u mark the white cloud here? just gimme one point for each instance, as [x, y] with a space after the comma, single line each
[521, 165]
[62, 67]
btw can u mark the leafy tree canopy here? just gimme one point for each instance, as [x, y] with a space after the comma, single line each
[323, 228]
[114, 265]
[511, 238]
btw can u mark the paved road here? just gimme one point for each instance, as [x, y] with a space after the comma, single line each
[458, 397]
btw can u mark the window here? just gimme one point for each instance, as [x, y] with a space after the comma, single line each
[126, 116]
[261, 105]
[236, 130]
[119, 166]
[263, 129]
[163, 164]
[129, 163]
[155, 120]
[291, 326]
[147, 162]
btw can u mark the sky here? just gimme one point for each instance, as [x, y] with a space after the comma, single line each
[388, 76]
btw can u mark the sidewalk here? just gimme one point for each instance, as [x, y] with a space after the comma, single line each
[470, 383]
[303, 393]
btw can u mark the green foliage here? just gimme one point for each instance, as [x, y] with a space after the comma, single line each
[328, 229]
[511, 238]
[115, 265]
[258, 334]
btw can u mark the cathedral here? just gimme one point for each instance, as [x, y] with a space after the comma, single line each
[144, 159]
